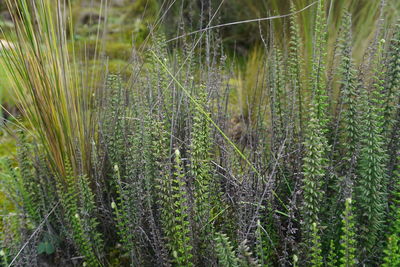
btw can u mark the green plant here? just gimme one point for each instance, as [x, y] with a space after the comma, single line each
[348, 238]
[81, 222]
[174, 205]
[206, 189]
[331, 260]
[99, 175]
[225, 253]
[371, 178]
[313, 170]
[316, 259]
[294, 70]
[246, 258]
[392, 250]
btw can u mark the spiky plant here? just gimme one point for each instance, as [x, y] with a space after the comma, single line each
[81, 223]
[314, 169]
[121, 211]
[316, 143]
[348, 238]
[114, 122]
[224, 250]
[350, 110]
[245, 256]
[318, 67]
[392, 84]
[316, 258]
[294, 71]
[392, 105]
[331, 260]
[371, 175]
[392, 250]
[175, 214]
[278, 99]
[30, 188]
[205, 186]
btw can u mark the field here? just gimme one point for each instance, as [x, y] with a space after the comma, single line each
[199, 133]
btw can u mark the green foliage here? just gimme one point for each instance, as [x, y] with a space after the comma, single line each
[350, 96]
[81, 222]
[331, 260]
[99, 175]
[348, 238]
[175, 214]
[294, 71]
[46, 247]
[206, 186]
[262, 246]
[392, 250]
[314, 169]
[318, 69]
[371, 180]
[31, 193]
[114, 121]
[392, 85]
[246, 258]
[316, 258]
[316, 143]
[225, 253]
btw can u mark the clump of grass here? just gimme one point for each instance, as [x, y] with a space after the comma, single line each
[47, 83]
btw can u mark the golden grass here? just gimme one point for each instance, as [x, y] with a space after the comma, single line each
[52, 91]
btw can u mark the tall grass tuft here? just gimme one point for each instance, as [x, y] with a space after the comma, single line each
[49, 86]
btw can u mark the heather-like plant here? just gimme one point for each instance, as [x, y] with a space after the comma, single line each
[121, 208]
[206, 190]
[392, 84]
[175, 214]
[314, 170]
[350, 99]
[316, 258]
[245, 256]
[316, 143]
[224, 250]
[348, 238]
[294, 71]
[331, 260]
[371, 175]
[318, 69]
[82, 226]
[392, 250]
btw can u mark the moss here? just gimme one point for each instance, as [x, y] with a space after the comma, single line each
[7, 149]
[121, 51]
[149, 8]
[120, 66]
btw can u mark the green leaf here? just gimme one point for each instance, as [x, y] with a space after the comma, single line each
[46, 247]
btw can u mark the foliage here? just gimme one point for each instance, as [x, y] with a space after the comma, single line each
[370, 187]
[225, 252]
[392, 250]
[347, 240]
[153, 165]
[316, 259]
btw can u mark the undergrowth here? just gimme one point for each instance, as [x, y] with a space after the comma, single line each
[157, 170]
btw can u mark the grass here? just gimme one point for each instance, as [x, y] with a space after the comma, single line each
[54, 98]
